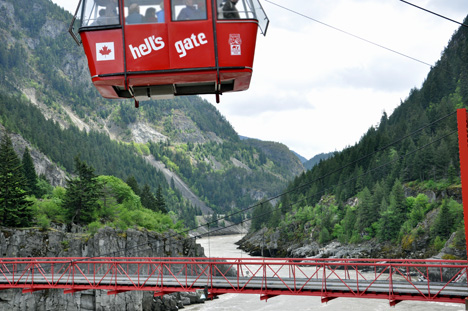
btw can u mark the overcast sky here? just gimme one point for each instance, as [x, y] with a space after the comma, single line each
[318, 90]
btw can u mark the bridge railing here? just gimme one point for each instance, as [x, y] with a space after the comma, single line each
[431, 280]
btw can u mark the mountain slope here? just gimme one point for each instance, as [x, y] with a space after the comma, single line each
[47, 97]
[316, 159]
[397, 189]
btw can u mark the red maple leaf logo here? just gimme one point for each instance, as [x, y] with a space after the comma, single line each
[105, 51]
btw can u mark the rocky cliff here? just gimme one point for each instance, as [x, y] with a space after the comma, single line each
[43, 165]
[272, 243]
[59, 243]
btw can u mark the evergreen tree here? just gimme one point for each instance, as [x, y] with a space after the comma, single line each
[285, 204]
[398, 200]
[378, 194]
[132, 182]
[348, 223]
[261, 215]
[365, 212]
[389, 222]
[452, 174]
[444, 222]
[214, 220]
[160, 202]
[82, 194]
[14, 206]
[30, 173]
[359, 173]
[147, 198]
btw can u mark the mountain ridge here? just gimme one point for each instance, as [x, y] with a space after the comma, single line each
[41, 66]
[397, 189]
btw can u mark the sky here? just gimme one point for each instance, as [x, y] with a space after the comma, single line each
[318, 90]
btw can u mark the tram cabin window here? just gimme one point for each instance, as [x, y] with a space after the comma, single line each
[100, 13]
[188, 10]
[144, 12]
[235, 9]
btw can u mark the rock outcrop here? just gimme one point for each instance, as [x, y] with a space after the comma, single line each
[179, 184]
[43, 165]
[106, 242]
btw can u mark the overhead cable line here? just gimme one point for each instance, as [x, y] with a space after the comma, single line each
[140, 246]
[421, 8]
[390, 162]
[351, 34]
[368, 155]
[342, 167]
[321, 192]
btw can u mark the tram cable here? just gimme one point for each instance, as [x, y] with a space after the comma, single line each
[209, 232]
[367, 155]
[336, 170]
[361, 175]
[442, 16]
[354, 162]
[351, 34]
[323, 190]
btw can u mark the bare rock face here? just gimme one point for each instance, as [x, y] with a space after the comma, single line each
[143, 133]
[179, 184]
[52, 28]
[42, 164]
[106, 242]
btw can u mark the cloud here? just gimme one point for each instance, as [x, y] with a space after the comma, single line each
[317, 89]
[68, 5]
[446, 7]
[379, 74]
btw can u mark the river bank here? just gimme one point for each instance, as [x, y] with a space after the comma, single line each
[271, 244]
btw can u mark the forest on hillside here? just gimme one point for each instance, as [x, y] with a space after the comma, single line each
[87, 200]
[222, 187]
[45, 84]
[379, 189]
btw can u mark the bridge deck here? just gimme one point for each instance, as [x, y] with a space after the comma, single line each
[359, 278]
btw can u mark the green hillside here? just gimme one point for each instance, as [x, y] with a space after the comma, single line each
[399, 186]
[46, 97]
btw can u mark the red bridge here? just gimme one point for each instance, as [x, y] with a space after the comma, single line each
[395, 280]
[392, 279]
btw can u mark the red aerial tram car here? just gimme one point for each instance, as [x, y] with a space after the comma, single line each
[153, 49]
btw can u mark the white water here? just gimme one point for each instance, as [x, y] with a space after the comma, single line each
[223, 246]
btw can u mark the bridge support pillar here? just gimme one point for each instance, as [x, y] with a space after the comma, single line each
[266, 297]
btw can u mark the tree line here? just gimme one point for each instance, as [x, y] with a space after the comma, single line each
[87, 200]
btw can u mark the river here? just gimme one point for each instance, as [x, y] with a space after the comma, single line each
[223, 246]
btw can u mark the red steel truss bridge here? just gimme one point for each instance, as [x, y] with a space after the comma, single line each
[395, 280]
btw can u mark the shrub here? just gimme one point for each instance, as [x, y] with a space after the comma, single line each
[438, 243]
[94, 227]
[43, 222]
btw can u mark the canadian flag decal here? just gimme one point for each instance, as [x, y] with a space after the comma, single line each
[105, 51]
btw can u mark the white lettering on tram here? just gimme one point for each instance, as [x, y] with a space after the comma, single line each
[151, 44]
[182, 46]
